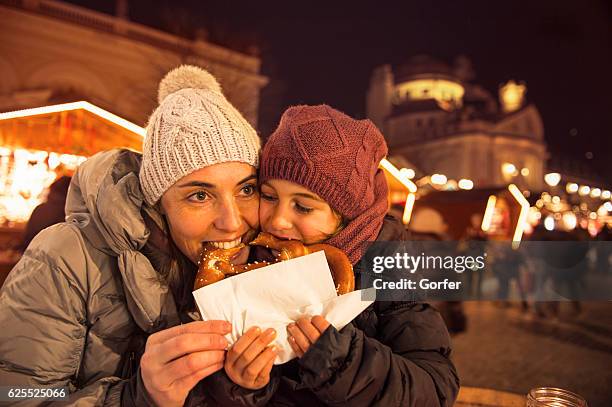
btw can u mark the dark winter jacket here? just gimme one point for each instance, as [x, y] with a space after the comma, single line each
[392, 354]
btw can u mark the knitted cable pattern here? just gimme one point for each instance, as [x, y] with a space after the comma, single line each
[193, 127]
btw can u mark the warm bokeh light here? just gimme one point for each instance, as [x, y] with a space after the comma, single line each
[512, 96]
[488, 215]
[441, 90]
[24, 176]
[509, 169]
[410, 186]
[466, 183]
[584, 190]
[534, 216]
[595, 193]
[408, 208]
[571, 188]
[552, 178]
[549, 223]
[522, 219]
[438, 179]
[569, 220]
[408, 173]
[392, 169]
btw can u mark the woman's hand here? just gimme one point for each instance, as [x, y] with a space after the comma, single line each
[250, 359]
[304, 332]
[176, 359]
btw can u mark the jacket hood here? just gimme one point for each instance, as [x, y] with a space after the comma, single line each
[105, 202]
[105, 193]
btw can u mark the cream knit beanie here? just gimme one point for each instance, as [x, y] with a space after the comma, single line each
[193, 127]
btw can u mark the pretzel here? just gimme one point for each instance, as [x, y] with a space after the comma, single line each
[215, 265]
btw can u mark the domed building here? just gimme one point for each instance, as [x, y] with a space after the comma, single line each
[435, 116]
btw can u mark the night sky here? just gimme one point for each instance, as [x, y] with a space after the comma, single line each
[324, 52]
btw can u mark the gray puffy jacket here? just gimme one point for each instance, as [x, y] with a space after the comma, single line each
[77, 308]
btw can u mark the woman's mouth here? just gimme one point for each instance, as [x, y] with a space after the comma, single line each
[226, 244]
[245, 238]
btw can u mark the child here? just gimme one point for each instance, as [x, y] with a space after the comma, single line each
[320, 182]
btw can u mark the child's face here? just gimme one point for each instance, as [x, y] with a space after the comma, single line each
[290, 211]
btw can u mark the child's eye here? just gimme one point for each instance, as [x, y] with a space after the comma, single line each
[249, 189]
[267, 197]
[199, 196]
[302, 208]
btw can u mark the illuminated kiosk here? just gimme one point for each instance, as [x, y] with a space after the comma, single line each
[500, 211]
[401, 188]
[41, 144]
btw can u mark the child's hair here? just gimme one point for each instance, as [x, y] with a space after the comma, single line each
[342, 222]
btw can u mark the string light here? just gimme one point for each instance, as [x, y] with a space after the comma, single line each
[438, 179]
[466, 184]
[584, 190]
[126, 124]
[488, 215]
[522, 219]
[552, 178]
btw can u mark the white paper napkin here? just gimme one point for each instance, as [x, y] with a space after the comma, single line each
[276, 295]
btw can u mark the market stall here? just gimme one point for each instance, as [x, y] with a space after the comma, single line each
[39, 145]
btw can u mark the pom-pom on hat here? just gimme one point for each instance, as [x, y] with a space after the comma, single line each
[193, 127]
[187, 76]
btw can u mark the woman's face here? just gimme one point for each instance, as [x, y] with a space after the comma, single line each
[216, 204]
[290, 211]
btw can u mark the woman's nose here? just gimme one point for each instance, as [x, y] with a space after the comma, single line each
[229, 217]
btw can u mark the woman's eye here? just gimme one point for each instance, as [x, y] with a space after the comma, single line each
[198, 196]
[249, 189]
[302, 208]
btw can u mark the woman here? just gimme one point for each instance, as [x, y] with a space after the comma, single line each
[320, 182]
[91, 295]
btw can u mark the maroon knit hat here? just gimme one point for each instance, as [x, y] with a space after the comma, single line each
[336, 157]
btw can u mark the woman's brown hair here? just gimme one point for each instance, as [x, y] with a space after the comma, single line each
[173, 267]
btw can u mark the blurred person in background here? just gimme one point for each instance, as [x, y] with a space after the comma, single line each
[604, 248]
[429, 225]
[47, 213]
[473, 244]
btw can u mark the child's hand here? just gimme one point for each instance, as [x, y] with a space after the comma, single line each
[305, 332]
[250, 360]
